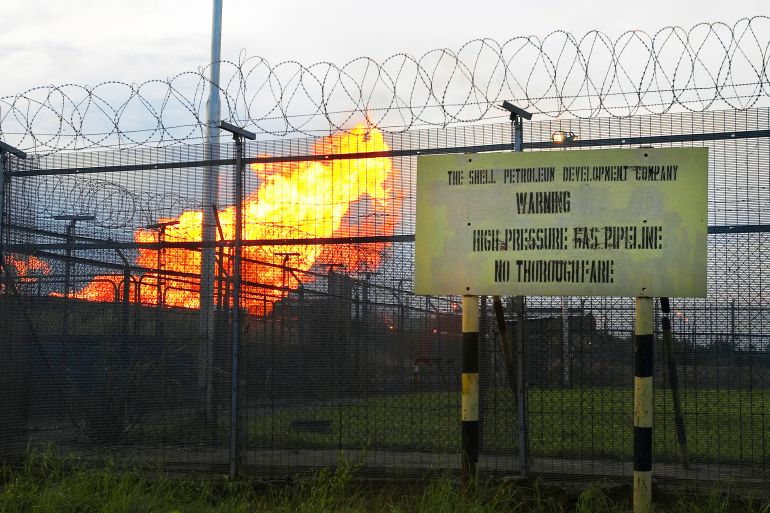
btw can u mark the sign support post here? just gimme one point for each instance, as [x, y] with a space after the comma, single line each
[469, 410]
[643, 403]
[599, 223]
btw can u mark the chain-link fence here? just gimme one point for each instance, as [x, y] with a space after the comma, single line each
[108, 353]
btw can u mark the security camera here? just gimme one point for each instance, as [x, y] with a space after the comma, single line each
[516, 111]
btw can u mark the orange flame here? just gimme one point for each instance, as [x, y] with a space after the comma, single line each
[310, 199]
[26, 265]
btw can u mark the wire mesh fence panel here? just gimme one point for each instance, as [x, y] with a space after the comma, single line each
[111, 352]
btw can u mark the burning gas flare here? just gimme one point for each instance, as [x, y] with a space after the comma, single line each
[28, 265]
[297, 200]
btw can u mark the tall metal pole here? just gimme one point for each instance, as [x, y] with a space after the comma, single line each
[469, 411]
[643, 401]
[208, 228]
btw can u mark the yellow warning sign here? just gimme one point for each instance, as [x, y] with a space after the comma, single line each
[621, 222]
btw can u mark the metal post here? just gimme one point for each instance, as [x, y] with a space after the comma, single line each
[221, 257]
[483, 362]
[126, 290]
[643, 361]
[732, 322]
[517, 117]
[521, 386]
[518, 133]
[236, 305]
[469, 412]
[161, 227]
[208, 234]
[158, 283]
[5, 149]
[284, 291]
[3, 158]
[70, 235]
[238, 135]
[673, 381]
[68, 262]
[566, 342]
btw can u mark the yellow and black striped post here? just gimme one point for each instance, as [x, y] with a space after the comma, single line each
[643, 357]
[469, 410]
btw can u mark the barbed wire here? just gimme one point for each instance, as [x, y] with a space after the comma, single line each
[710, 65]
[113, 205]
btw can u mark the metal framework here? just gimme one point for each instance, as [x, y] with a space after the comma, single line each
[335, 351]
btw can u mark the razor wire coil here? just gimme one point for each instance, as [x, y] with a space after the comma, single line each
[707, 66]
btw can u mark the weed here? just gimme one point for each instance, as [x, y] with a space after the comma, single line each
[50, 482]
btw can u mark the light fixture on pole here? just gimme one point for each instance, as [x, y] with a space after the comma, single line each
[563, 137]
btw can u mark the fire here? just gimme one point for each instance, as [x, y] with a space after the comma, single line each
[311, 199]
[27, 265]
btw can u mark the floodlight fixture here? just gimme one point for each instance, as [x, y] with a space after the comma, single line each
[563, 136]
[237, 131]
[516, 111]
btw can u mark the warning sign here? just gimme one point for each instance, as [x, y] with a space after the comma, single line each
[625, 222]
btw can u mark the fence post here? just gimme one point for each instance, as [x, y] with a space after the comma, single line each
[71, 239]
[238, 135]
[5, 149]
[126, 291]
[2, 207]
[643, 403]
[469, 411]
[517, 119]
[521, 385]
[237, 256]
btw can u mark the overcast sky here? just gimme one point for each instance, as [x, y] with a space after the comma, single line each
[45, 42]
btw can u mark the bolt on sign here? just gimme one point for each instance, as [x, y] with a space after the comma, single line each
[618, 222]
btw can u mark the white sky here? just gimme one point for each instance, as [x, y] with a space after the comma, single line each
[45, 42]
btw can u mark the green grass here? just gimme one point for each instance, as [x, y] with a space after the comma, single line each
[721, 425]
[48, 483]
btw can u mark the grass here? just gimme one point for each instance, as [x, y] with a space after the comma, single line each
[49, 483]
[722, 425]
